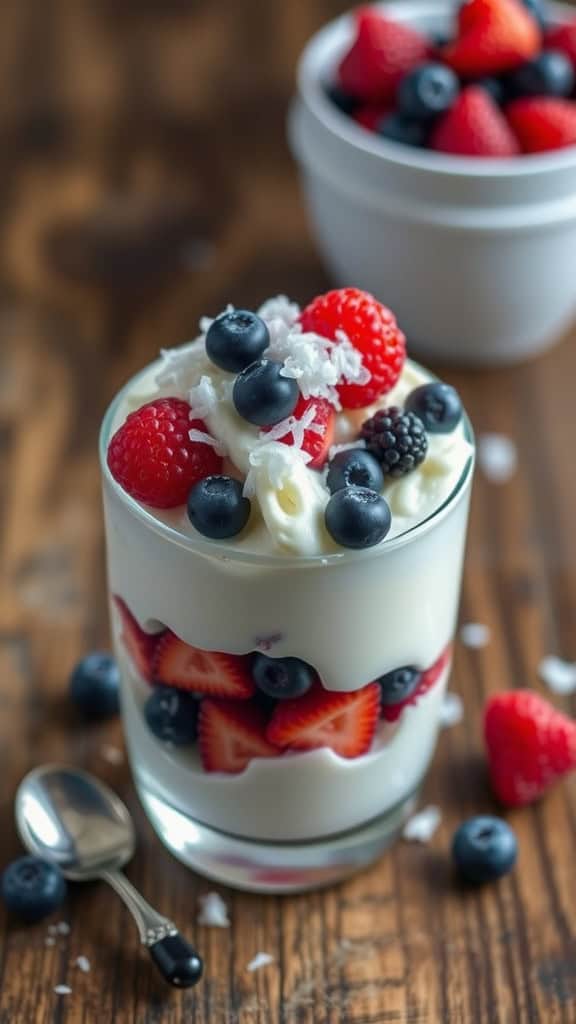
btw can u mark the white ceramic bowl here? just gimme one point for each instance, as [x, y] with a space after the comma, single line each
[477, 257]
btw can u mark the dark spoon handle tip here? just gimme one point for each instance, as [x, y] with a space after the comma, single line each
[177, 961]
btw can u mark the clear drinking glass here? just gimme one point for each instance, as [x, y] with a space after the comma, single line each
[306, 819]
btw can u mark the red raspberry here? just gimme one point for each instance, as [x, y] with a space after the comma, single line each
[530, 745]
[154, 460]
[543, 123]
[383, 51]
[474, 126]
[371, 328]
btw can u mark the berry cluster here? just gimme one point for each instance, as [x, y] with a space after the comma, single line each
[501, 84]
[240, 708]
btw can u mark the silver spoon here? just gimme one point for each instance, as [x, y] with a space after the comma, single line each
[67, 816]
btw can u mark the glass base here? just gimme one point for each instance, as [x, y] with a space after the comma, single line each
[265, 867]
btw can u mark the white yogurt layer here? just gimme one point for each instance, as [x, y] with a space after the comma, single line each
[289, 498]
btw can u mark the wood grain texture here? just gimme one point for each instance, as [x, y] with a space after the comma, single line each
[146, 181]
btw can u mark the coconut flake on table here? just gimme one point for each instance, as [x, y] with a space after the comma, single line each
[421, 826]
[558, 675]
[63, 928]
[260, 960]
[213, 911]
[475, 635]
[62, 990]
[497, 457]
[451, 710]
[83, 964]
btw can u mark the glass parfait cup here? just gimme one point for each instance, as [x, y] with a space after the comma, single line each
[306, 819]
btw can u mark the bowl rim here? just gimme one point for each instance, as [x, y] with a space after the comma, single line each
[311, 79]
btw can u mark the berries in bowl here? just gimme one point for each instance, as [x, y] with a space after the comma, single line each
[438, 167]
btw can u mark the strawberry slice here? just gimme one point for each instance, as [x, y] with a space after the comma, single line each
[231, 734]
[207, 672]
[345, 722]
[141, 646]
[392, 712]
[319, 436]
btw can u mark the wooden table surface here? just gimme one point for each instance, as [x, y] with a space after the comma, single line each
[145, 181]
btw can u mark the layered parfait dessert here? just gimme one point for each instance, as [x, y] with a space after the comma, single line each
[286, 502]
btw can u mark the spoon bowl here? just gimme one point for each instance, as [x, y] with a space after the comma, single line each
[63, 817]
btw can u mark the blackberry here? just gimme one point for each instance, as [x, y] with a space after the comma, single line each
[397, 439]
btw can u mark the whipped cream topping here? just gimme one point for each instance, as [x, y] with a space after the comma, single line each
[288, 497]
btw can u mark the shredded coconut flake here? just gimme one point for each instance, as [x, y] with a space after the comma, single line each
[475, 635]
[294, 426]
[83, 964]
[213, 911]
[202, 398]
[422, 826]
[451, 710]
[558, 675]
[260, 960]
[178, 366]
[280, 308]
[62, 990]
[202, 438]
[207, 321]
[112, 754]
[276, 460]
[63, 928]
[498, 457]
[318, 364]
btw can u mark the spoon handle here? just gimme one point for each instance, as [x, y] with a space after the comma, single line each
[175, 958]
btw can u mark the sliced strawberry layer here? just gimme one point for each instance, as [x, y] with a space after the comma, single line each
[392, 712]
[206, 672]
[231, 735]
[319, 436]
[141, 646]
[344, 722]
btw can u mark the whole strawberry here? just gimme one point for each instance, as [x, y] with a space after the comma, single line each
[475, 126]
[371, 328]
[530, 745]
[543, 123]
[383, 51]
[493, 36]
[152, 457]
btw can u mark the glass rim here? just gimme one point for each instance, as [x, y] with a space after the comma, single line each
[226, 552]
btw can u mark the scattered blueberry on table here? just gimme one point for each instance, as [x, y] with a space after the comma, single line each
[95, 685]
[32, 888]
[484, 848]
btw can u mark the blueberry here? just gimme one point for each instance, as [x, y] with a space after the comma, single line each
[236, 339]
[345, 103]
[399, 684]
[549, 74]
[357, 517]
[217, 508]
[172, 715]
[32, 888]
[95, 685]
[282, 678]
[262, 395]
[484, 848]
[438, 406]
[355, 468]
[427, 91]
[406, 130]
[495, 88]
